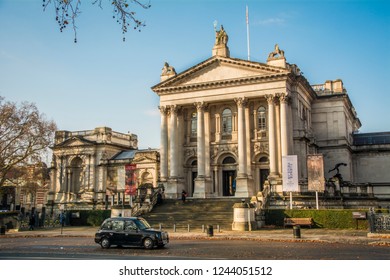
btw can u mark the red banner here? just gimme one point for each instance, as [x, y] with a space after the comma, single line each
[130, 179]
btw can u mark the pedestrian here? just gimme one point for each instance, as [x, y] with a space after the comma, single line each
[31, 222]
[159, 198]
[183, 196]
[62, 219]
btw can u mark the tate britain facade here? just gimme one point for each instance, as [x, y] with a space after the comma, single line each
[227, 123]
[226, 126]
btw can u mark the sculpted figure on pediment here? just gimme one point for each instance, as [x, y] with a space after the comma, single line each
[190, 152]
[261, 148]
[277, 53]
[168, 70]
[221, 37]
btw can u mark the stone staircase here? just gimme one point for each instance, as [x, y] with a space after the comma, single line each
[194, 213]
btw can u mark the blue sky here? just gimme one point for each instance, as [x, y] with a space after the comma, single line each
[102, 81]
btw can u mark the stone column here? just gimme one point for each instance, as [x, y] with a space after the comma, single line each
[200, 139]
[217, 127]
[207, 143]
[255, 124]
[248, 142]
[69, 180]
[202, 184]
[277, 138]
[173, 142]
[271, 134]
[188, 122]
[180, 140]
[284, 124]
[242, 171]
[216, 180]
[164, 144]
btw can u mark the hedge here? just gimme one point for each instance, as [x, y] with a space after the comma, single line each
[332, 219]
[89, 217]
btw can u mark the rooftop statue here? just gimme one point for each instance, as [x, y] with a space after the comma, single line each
[276, 53]
[167, 70]
[221, 38]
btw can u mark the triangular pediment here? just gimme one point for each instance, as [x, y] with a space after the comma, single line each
[75, 142]
[218, 69]
[143, 159]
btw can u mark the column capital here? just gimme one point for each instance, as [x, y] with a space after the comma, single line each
[241, 101]
[174, 109]
[163, 110]
[200, 106]
[269, 98]
[283, 97]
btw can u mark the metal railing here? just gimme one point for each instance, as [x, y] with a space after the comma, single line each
[379, 222]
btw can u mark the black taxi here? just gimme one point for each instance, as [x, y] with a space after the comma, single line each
[130, 231]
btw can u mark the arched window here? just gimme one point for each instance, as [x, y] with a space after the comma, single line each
[227, 121]
[228, 160]
[261, 119]
[76, 167]
[194, 123]
[263, 160]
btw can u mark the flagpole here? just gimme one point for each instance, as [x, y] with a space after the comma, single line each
[247, 32]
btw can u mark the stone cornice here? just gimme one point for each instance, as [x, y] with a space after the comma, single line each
[171, 85]
[221, 83]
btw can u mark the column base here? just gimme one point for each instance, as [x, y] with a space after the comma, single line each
[173, 188]
[276, 183]
[202, 187]
[244, 187]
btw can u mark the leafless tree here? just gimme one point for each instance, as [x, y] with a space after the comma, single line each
[123, 11]
[24, 135]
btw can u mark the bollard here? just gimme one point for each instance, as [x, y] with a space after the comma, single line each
[174, 227]
[297, 231]
[202, 228]
[160, 227]
[3, 230]
[188, 227]
[210, 230]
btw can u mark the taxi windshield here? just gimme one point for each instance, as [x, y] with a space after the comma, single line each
[142, 224]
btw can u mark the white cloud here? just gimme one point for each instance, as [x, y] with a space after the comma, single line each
[271, 21]
[152, 112]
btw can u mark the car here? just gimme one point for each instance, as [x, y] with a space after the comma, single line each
[130, 231]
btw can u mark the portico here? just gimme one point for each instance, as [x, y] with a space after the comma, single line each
[224, 124]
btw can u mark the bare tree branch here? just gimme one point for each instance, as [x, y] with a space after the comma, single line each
[25, 133]
[68, 10]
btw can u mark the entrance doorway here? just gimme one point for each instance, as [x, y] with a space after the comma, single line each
[263, 176]
[194, 175]
[228, 182]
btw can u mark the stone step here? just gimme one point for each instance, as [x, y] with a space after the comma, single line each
[196, 213]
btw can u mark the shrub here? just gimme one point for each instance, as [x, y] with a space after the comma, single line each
[329, 218]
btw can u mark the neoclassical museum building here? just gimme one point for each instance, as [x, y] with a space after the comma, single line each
[227, 123]
[227, 127]
[96, 168]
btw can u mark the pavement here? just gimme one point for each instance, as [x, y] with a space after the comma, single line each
[265, 234]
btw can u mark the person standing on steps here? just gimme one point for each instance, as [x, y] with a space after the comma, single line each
[183, 196]
[32, 222]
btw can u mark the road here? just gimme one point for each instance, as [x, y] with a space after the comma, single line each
[60, 248]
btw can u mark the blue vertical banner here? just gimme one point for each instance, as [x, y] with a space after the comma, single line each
[290, 173]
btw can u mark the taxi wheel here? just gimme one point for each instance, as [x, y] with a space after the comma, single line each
[105, 243]
[148, 243]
